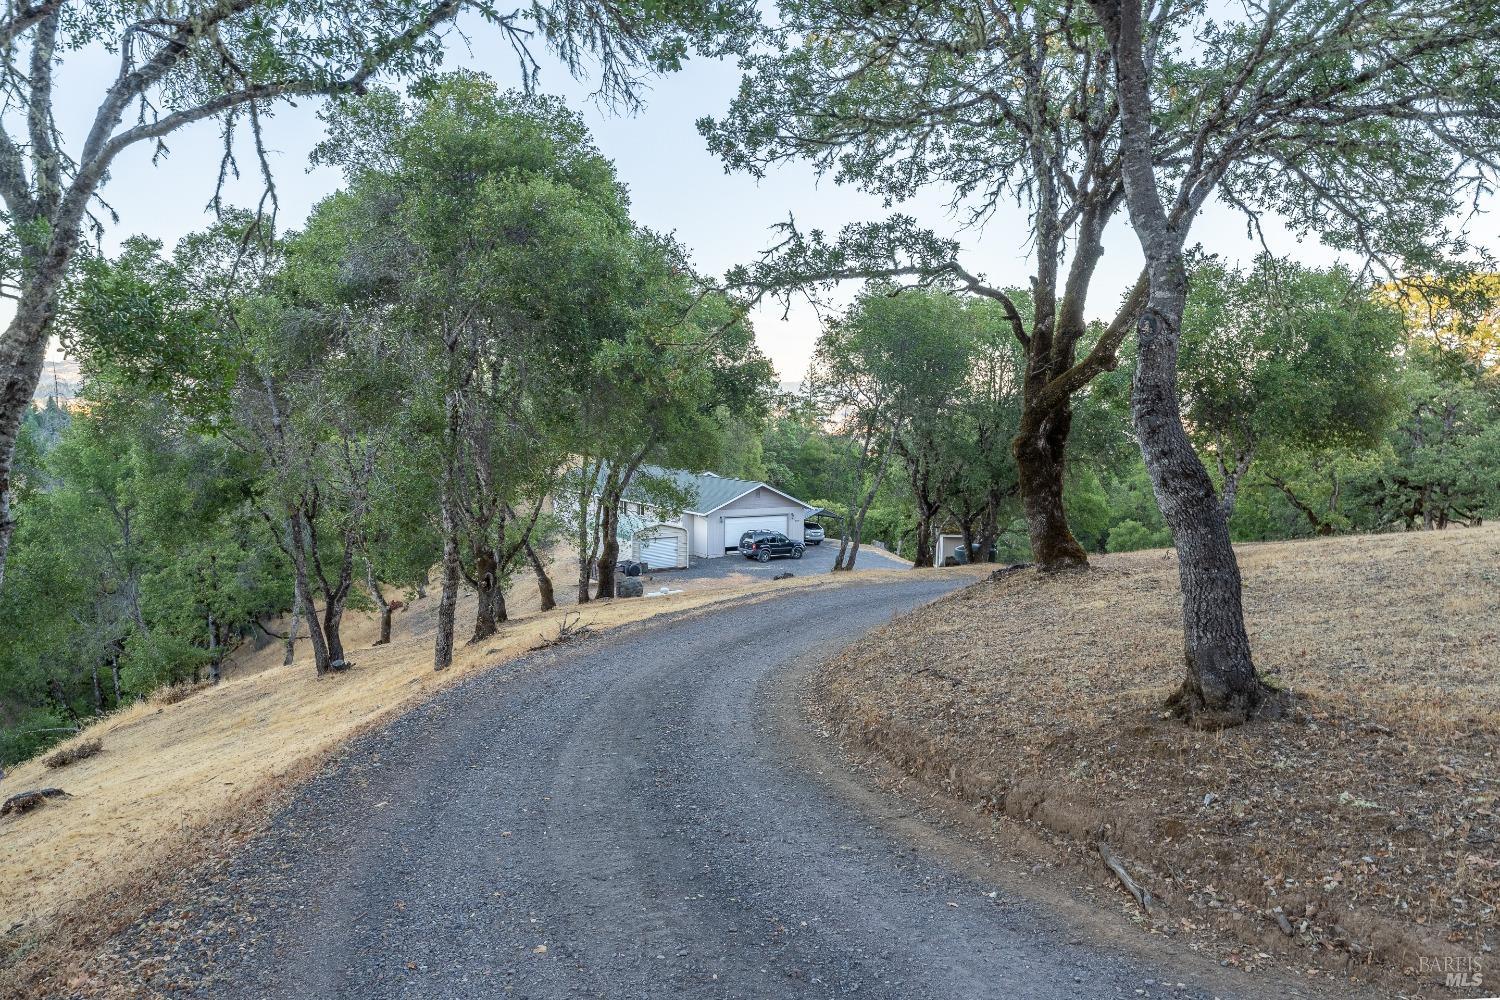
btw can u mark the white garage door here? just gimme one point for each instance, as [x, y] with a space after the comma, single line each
[734, 527]
[662, 551]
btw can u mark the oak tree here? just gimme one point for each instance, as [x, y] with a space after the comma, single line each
[1362, 123]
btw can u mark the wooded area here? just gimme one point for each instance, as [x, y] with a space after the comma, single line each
[460, 362]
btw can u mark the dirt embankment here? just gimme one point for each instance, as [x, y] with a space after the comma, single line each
[1358, 834]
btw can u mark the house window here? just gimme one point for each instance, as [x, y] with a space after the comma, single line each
[640, 509]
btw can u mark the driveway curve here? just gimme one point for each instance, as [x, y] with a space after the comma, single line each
[625, 817]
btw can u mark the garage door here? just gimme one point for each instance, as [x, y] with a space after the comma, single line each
[662, 551]
[734, 527]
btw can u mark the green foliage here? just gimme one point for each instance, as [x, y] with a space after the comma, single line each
[1442, 458]
[1285, 357]
[1128, 535]
[139, 536]
[1435, 466]
[542, 329]
[800, 456]
[137, 320]
[1089, 513]
[884, 97]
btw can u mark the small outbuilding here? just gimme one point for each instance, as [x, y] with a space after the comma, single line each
[949, 547]
[661, 546]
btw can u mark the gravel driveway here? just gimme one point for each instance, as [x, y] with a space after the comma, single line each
[815, 559]
[626, 817]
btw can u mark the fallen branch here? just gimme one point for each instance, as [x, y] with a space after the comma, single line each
[1141, 893]
[271, 632]
[568, 628]
[26, 801]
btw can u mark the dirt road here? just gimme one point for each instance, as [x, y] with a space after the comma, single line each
[628, 817]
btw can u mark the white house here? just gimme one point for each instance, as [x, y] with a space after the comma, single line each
[718, 511]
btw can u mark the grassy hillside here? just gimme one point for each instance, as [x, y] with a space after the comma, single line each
[1360, 831]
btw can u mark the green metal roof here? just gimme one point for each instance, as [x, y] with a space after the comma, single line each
[710, 492]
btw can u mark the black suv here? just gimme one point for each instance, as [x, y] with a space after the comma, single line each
[763, 546]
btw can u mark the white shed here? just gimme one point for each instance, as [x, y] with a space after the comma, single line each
[661, 546]
[947, 547]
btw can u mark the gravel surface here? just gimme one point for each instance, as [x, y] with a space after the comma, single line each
[816, 559]
[625, 817]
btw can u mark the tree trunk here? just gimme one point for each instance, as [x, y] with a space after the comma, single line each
[23, 352]
[853, 551]
[114, 675]
[989, 530]
[1321, 526]
[928, 508]
[924, 552]
[855, 496]
[588, 534]
[609, 547]
[1221, 686]
[442, 656]
[857, 525]
[315, 635]
[923, 556]
[1231, 477]
[585, 577]
[484, 615]
[291, 632]
[385, 606]
[98, 692]
[543, 581]
[304, 592]
[333, 622]
[487, 588]
[214, 672]
[490, 613]
[1040, 451]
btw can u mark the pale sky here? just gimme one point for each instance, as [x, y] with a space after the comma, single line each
[676, 186]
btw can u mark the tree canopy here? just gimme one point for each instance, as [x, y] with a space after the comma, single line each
[1284, 357]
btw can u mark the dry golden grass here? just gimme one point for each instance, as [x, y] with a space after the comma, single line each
[172, 769]
[1369, 816]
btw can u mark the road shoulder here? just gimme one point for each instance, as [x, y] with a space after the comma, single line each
[998, 851]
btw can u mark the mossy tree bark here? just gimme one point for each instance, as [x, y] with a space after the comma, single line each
[1040, 450]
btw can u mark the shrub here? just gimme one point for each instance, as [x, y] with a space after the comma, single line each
[73, 754]
[171, 694]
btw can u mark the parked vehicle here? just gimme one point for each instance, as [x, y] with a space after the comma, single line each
[812, 533]
[763, 546]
